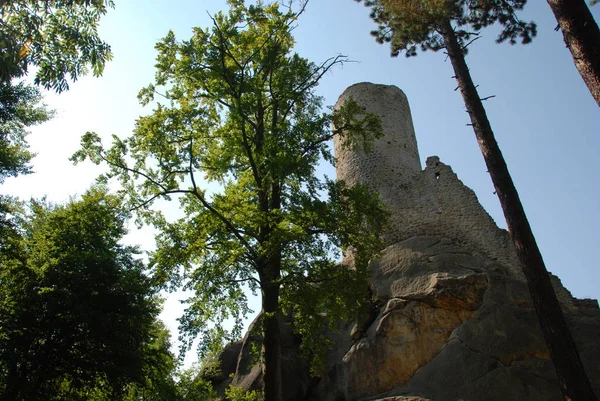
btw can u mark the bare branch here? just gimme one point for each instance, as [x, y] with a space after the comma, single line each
[471, 41]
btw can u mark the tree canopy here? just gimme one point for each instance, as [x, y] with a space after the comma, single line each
[58, 37]
[410, 25]
[237, 141]
[78, 313]
[20, 108]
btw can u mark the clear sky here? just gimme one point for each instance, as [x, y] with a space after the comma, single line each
[545, 120]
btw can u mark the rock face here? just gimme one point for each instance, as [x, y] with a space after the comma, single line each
[453, 319]
[453, 325]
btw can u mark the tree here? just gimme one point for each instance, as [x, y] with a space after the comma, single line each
[192, 386]
[157, 383]
[158, 369]
[20, 107]
[77, 309]
[237, 143]
[582, 37]
[450, 25]
[59, 37]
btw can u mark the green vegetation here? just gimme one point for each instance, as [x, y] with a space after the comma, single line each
[242, 116]
[58, 37]
[77, 312]
[21, 108]
[235, 137]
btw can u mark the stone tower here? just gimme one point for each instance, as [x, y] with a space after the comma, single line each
[395, 158]
[432, 201]
[456, 320]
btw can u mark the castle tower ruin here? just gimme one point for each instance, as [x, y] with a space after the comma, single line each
[456, 320]
[394, 161]
[430, 201]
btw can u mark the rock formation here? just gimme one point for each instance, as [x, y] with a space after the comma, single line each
[454, 318]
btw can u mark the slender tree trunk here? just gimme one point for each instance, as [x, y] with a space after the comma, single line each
[582, 36]
[571, 375]
[271, 347]
[269, 273]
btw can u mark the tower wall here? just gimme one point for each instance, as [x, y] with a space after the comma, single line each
[395, 157]
[430, 201]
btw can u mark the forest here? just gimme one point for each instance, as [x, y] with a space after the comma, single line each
[165, 175]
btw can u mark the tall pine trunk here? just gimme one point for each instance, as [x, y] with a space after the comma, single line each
[571, 375]
[582, 37]
[271, 347]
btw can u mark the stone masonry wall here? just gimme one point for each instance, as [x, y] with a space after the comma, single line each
[432, 201]
[394, 160]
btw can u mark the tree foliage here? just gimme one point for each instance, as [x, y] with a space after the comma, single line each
[20, 108]
[411, 24]
[192, 386]
[78, 313]
[237, 141]
[59, 37]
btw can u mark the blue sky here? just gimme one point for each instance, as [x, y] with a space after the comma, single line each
[545, 120]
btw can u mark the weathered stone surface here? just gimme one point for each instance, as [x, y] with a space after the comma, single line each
[247, 372]
[432, 201]
[395, 157]
[453, 326]
[431, 270]
[227, 364]
[586, 303]
[407, 336]
[429, 286]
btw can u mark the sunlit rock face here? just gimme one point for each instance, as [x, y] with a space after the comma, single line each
[448, 318]
[452, 318]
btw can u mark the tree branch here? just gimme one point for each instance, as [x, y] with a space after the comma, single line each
[232, 229]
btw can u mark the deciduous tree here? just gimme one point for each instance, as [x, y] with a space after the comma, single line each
[21, 108]
[237, 141]
[450, 25]
[77, 310]
[59, 37]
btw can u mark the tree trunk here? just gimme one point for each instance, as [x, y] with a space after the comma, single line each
[571, 375]
[271, 347]
[582, 36]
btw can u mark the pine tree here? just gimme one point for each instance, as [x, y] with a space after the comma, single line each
[582, 37]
